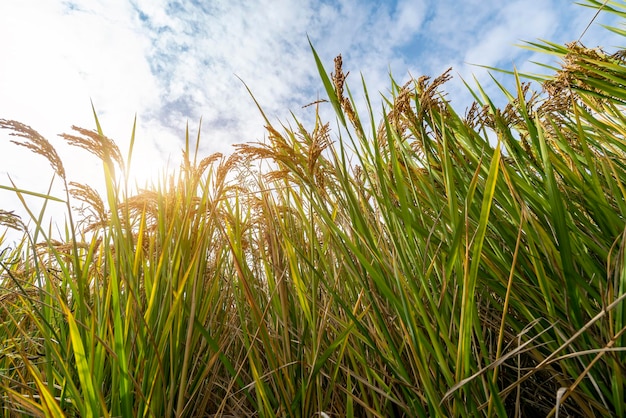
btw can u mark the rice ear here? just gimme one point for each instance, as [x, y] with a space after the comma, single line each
[99, 145]
[11, 220]
[36, 143]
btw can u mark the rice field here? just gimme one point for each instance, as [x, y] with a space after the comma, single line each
[422, 264]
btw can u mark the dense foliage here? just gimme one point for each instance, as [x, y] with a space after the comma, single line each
[427, 264]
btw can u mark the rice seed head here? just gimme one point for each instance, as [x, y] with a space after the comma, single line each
[35, 142]
[278, 148]
[99, 145]
[224, 168]
[207, 161]
[430, 95]
[474, 116]
[276, 176]
[577, 68]
[11, 220]
[320, 140]
[338, 76]
[84, 193]
[144, 203]
[339, 80]
[400, 112]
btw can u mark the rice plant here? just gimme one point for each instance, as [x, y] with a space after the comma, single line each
[424, 263]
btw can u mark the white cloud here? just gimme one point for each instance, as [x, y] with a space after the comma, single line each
[514, 23]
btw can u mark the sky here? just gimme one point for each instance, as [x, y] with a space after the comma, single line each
[173, 63]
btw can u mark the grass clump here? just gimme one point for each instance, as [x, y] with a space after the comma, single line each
[424, 264]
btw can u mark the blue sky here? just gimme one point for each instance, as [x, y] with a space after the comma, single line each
[173, 62]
